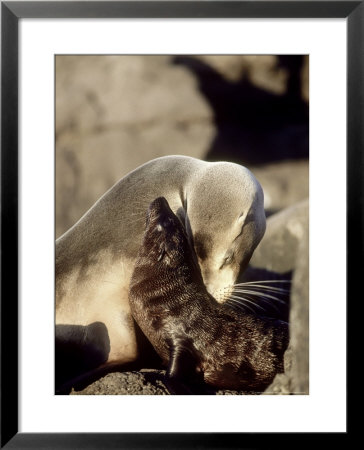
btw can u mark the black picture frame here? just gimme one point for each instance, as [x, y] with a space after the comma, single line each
[11, 12]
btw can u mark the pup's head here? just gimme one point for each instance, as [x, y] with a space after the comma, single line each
[165, 240]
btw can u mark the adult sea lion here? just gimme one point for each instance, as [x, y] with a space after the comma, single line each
[221, 207]
[197, 337]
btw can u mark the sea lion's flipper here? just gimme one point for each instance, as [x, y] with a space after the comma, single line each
[79, 349]
[182, 361]
[182, 375]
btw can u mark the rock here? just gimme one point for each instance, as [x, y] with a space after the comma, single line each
[295, 379]
[253, 124]
[283, 254]
[284, 184]
[148, 382]
[279, 247]
[298, 372]
[143, 382]
[286, 249]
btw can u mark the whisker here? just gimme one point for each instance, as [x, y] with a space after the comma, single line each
[262, 281]
[240, 305]
[272, 305]
[259, 294]
[266, 288]
[269, 302]
[232, 302]
[246, 300]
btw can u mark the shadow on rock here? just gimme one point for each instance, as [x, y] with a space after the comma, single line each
[254, 126]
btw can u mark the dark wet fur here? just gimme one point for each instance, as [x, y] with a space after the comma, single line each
[196, 337]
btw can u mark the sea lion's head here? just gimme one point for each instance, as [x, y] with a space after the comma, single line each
[226, 222]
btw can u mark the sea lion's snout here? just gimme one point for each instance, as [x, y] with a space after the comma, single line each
[160, 216]
[157, 209]
[164, 236]
[158, 205]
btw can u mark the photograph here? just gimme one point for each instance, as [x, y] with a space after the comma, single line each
[181, 224]
[181, 220]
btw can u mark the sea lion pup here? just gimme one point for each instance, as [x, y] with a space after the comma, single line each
[221, 207]
[194, 334]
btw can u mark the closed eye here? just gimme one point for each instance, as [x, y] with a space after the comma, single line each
[227, 260]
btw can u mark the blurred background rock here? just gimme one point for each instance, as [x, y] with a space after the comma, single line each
[113, 113]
